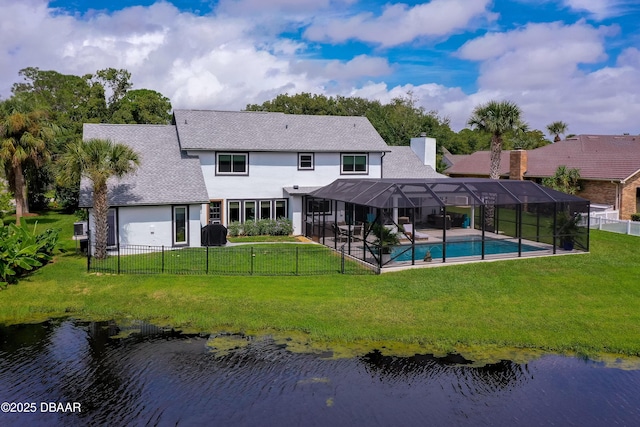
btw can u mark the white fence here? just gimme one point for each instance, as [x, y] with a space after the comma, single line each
[607, 214]
[614, 225]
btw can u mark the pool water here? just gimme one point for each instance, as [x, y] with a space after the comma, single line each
[462, 248]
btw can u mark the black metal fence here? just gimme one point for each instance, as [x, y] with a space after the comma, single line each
[241, 260]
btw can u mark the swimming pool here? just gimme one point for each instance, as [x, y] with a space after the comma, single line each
[470, 246]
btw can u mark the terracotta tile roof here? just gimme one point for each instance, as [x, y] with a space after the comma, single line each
[606, 157]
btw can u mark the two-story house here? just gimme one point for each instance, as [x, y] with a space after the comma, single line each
[222, 166]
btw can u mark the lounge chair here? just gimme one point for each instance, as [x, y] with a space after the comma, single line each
[414, 235]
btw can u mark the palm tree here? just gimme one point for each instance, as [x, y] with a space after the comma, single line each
[497, 118]
[557, 128]
[98, 160]
[24, 137]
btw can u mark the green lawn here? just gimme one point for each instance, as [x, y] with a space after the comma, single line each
[588, 303]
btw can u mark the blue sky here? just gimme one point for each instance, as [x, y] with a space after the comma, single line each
[571, 60]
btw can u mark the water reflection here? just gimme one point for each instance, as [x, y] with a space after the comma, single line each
[491, 378]
[143, 375]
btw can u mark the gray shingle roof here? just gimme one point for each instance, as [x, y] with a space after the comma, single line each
[259, 131]
[402, 162]
[165, 176]
[598, 157]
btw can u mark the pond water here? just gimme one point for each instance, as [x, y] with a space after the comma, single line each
[159, 377]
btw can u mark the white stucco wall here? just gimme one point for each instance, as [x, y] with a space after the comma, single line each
[269, 172]
[152, 225]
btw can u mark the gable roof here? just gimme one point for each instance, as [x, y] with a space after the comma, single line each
[598, 157]
[166, 175]
[260, 131]
[402, 162]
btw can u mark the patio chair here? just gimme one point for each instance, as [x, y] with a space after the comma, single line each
[339, 235]
[357, 232]
[414, 235]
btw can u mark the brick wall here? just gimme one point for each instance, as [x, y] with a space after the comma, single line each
[628, 203]
[517, 164]
[601, 192]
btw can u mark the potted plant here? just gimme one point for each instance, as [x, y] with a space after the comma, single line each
[567, 229]
[385, 238]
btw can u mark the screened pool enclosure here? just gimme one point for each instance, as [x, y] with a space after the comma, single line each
[394, 223]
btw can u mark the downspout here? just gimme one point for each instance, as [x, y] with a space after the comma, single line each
[384, 153]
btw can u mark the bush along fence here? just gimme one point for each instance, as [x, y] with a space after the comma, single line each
[242, 260]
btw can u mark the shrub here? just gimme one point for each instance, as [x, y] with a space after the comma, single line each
[6, 197]
[282, 227]
[234, 229]
[635, 216]
[263, 227]
[250, 228]
[22, 250]
[67, 198]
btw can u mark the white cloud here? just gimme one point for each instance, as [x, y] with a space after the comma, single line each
[399, 23]
[348, 71]
[196, 61]
[602, 9]
[539, 67]
[553, 71]
[536, 56]
[256, 7]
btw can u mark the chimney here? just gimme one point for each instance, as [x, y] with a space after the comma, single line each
[425, 149]
[517, 164]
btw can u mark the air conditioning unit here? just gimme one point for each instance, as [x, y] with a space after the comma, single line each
[80, 230]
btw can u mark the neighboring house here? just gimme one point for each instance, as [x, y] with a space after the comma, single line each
[609, 167]
[220, 167]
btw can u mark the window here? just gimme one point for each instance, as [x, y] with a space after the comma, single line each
[265, 209]
[281, 209]
[305, 161]
[234, 211]
[354, 163]
[180, 225]
[252, 210]
[215, 212]
[249, 211]
[232, 164]
[319, 206]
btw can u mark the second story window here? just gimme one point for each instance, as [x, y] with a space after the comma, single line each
[305, 161]
[354, 164]
[232, 164]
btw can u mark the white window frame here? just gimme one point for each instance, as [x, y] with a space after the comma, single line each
[259, 209]
[311, 159]
[175, 225]
[230, 209]
[354, 172]
[246, 163]
[275, 208]
[244, 210]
